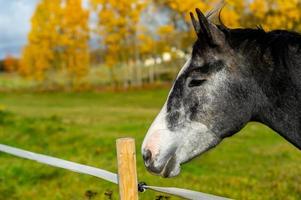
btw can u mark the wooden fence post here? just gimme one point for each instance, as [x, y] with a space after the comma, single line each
[127, 173]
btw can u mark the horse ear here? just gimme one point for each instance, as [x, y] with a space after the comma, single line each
[204, 24]
[195, 24]
[205, 30]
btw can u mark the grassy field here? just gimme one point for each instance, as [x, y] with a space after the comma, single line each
[83, 127]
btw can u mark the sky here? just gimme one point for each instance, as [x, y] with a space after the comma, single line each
[14, 25]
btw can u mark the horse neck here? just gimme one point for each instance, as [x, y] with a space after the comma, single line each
[280, 100]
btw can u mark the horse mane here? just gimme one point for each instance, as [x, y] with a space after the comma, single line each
[277, 43]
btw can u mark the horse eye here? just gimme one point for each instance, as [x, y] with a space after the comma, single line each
[196, 82]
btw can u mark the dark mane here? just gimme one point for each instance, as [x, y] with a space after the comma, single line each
[277, 43]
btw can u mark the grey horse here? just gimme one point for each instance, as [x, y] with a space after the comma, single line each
[233, 76]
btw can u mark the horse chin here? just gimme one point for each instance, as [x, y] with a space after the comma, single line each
[171, 169]
[173, 173]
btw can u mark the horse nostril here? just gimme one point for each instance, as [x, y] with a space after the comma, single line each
[147, 155]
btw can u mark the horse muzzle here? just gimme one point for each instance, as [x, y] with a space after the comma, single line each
[165, 167]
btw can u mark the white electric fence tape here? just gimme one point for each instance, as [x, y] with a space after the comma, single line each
[56, 162]
[100, 173]
[184, 193]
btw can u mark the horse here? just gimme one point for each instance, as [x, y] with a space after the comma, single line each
[232, 77]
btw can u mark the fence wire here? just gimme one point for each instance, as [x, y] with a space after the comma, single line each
[103, 174]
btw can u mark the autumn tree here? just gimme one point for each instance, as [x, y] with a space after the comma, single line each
[118, 26]
[10, 63]
[58, 40]
[38, 55]
[74, 40]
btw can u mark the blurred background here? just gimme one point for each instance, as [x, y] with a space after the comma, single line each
[77, 74]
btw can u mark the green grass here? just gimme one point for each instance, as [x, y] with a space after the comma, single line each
[83, 127]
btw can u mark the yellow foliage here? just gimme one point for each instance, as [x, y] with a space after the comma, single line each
[118, 27]
[277, 14]
[233, 12]
[38, 55]
[74, 39]
[165, 29]
[184, 8]
[58, 39]
[146, 44]
[167, 35]
[259, 8]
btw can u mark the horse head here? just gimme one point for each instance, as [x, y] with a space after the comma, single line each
[210, 100]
